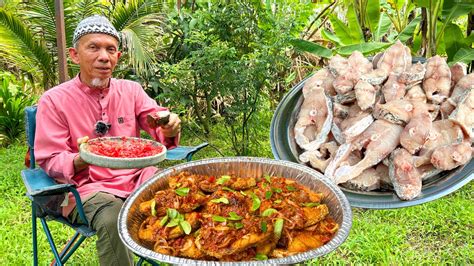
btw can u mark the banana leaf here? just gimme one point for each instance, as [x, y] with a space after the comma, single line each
[465, 55]
[373, 15]
[365, 48]
[311, 47]
[454, 40]
[408, 31]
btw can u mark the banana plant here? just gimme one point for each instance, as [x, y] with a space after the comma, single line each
[365, 29]
[442, 31]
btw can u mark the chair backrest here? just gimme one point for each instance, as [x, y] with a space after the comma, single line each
[30, 119]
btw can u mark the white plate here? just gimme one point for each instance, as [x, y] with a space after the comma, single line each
[121, 163]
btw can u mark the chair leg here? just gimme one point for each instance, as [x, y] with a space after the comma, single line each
[51, 242]
[34, 233]
[68, 251]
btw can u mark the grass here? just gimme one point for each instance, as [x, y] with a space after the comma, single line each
[438, 232]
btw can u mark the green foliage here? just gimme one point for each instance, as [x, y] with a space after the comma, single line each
[13, 100]
[29, 34]
[223, 61]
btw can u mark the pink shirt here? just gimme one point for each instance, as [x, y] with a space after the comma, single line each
[70, 110]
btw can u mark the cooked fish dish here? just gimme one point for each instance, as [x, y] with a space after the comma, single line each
[230, 218]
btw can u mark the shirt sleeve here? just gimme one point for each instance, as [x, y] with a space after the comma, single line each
[53, 150]
[145, 105]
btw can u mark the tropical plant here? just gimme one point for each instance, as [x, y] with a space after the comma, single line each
[440, 31]
[223, 64]
[28, 33]
[427, 26]
[14, 97]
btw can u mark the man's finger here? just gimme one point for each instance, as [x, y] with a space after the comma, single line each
[82, 140]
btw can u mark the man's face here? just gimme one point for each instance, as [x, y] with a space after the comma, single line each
[97, 55]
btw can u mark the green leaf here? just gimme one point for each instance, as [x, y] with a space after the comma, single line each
[183, 191]
[152, 206]
[277, 201]
[261, 257]
[382, 27]
[465, 55]
[327, 35]
[172, 213]
[163, 220]
[228, 189]
[454, 9]
[373, 14]
[277, 190]
[238, 225]
[268, 194]
[267, 177]
[218, 218]
[310, 47]
[234, 216]
[185, 226]
[173, 223]
[354, 25]
[290, 188]
[278, 227]
[263, 226]
[422, 3]
[364, 48]
[311, 204]
[408, 31]
[268, 212]
[223, 179]
[454, 40]
[451, 11]
[220, 200]
[342, 31]
[255, 202]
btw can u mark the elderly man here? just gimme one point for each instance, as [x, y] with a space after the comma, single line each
[95, 104]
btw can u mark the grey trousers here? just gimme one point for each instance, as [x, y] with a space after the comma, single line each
[102, 210]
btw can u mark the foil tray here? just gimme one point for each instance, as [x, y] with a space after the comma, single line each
[129, 219]
[284, 147]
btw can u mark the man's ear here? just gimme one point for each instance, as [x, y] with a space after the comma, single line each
[119, 54]
[74, 56]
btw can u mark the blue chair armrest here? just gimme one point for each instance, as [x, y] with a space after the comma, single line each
[38, 183]
[184, 152]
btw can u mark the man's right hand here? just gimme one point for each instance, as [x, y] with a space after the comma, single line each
[79, 163]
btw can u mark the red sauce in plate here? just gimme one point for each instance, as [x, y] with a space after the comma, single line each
[124, 148]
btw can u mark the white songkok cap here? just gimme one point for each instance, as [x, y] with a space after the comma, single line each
[94, 24]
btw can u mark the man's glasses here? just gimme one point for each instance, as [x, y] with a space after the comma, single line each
[101, 128]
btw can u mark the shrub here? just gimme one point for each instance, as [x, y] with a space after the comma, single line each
[13, 100]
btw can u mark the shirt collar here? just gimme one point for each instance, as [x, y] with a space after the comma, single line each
[92, 91]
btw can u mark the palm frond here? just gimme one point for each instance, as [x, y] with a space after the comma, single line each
[41, 16]
[125, 14]
[75, 12]
[21, 48]
[140, 22]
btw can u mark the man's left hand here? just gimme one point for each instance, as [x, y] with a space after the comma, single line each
[173, 127]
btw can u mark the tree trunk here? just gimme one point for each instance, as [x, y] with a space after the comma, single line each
[424, 31]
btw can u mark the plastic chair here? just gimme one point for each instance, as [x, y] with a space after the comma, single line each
[46, 196]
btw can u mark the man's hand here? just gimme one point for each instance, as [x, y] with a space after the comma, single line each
[173, 127]
[80, 164]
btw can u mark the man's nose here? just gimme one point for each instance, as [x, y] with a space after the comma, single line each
[103, 55]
